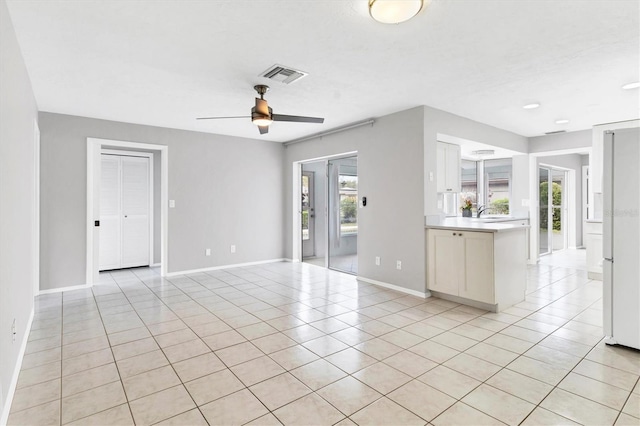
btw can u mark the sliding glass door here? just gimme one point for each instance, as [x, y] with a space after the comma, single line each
[552, 208]
[343, 214]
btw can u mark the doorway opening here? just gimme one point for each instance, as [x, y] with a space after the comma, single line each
[327, 208]
[127, 208]
[123, 213]
[553, 210]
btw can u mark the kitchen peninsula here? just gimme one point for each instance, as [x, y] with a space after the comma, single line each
[481, 262]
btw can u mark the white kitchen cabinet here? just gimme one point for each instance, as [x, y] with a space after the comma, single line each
[462, 263]
[448, 158]
[482, 269]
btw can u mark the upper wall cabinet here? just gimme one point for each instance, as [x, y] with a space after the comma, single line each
[448, 157]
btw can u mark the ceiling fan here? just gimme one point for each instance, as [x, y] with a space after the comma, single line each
[262, 115]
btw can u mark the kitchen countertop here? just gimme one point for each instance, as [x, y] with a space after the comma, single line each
[472, 224]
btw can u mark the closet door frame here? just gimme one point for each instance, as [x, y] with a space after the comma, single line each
[150, 156]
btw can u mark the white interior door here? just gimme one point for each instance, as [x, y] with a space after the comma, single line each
[124, 212]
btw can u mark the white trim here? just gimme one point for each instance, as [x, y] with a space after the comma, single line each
[153, 265]
[61, 289]
[94, 146]
[215, 268]
[151, 158]
[4, 416]
[36, 208]
[424, 295]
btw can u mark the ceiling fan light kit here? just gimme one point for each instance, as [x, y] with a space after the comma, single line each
[394, 11]
[262, 115]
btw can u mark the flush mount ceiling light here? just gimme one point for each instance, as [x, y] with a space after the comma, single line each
[563, 121]
[481, 152]
[630, 86]
[533, 105]
[394, 11]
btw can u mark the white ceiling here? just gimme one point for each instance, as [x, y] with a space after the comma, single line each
[164, 63]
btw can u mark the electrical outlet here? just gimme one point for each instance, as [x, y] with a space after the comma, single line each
[377, 260]
[207, 252]
[13, 331]
[398, 264]
[233, 249]
[172, 204]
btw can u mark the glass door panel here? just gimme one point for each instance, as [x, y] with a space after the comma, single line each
[343, 214]
[308, 214]
[557, 206]
[544, 231]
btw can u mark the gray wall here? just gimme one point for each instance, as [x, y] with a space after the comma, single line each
[560, 141]
[18, 114]
[227, 190]
[390, 175]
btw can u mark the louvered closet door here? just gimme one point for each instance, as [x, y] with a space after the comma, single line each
[124, 212]
[135, 210]
[110, 253]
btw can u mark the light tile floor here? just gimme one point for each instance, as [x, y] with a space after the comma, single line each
[298, 344]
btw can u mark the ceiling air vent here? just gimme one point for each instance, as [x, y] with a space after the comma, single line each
[556, 132]
[282, 74]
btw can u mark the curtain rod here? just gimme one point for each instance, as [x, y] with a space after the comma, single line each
[330, 132]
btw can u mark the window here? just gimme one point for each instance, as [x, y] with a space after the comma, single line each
[469, 182]
[348, 204]
[487, 183]
[497, 186]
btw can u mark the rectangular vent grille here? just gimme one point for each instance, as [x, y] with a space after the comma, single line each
[282, 74]
[556, 132]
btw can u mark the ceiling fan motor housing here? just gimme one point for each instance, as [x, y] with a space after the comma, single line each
[261, 111]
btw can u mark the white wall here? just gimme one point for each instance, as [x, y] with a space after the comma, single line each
[390, 175]
[18, 115]
[227, 190]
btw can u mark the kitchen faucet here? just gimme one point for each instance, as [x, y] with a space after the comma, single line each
[481, 209]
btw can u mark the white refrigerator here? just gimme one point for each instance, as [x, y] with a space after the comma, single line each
[621, 237]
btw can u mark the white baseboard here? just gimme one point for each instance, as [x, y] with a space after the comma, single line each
[58, 290]
[215, 268]
[153, 265]
[424, 295]
[4, 417]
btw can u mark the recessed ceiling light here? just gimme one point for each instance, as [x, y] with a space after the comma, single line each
[630, 86]
[394, 11]
[533, 105]
[564, 121]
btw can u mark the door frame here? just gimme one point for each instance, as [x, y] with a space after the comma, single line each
[568, 214]
[150, 156]
[296, 222]
[94, 151]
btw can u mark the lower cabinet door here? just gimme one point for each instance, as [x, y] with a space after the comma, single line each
[444, 255]
[478, 280]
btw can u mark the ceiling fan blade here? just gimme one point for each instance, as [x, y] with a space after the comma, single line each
[218, 118]
[263, 129]
[296, 118]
